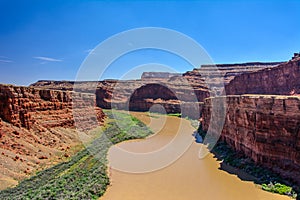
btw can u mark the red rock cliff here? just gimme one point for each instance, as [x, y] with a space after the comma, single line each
[282, 79]
[264, 128]
[174, 92]
[18, 104]
[140, 95]
[37, 125]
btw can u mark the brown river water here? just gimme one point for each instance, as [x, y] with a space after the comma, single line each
[187, 178]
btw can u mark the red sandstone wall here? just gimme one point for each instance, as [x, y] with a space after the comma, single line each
[264, 128]
[283, 79]
[37, 125]
[140, 95]
[20, 106]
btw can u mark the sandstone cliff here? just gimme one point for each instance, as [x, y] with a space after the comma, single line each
[138, 95]
[37, 125]
[214, 75]
[264, 128]
[282, 79]
[174, 92]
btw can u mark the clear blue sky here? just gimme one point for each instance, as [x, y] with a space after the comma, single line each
[50, 39]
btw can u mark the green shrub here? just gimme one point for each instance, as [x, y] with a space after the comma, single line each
[279, 188]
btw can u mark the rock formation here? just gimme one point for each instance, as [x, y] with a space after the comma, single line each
[264, 128]
[37, 125]
[220, 75]
[137, 94]
[282, 79]
[174, 92]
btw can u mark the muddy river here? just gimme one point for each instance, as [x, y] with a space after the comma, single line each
[166, 166]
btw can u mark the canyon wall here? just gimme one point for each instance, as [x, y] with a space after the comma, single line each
[260, 121]
[140, 95]
[19, 105]
[174, 92]
[264, 128]
[37, 128]
[282, 79]
[217, 74]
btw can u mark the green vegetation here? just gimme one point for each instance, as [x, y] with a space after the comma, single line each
[84, 176]
[268, 180]
[174, 114]
[278, 188]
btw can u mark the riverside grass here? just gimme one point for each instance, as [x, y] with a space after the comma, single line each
[84, 176]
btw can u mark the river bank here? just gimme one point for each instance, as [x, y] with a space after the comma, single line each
[84, 175]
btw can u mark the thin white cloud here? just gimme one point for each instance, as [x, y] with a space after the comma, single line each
[48, 59]
[5, 61]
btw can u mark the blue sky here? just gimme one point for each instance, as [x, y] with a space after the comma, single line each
[50, 39]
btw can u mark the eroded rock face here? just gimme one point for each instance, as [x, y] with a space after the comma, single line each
[219, 75]
[282, 79]
[16, 103]
[264, 128]
[20, 105]
[148, 95]
[139, 95]
[37, 125]
[189, 89]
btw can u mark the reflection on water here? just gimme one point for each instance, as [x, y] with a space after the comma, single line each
[187, 178]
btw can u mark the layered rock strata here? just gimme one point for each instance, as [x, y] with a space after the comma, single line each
[138, 95]
[264, 128]
[173, 92]
[282, 80]
[37, 128]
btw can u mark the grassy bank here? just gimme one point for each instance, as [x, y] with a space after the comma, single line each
[268, 180]
[84, 176]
